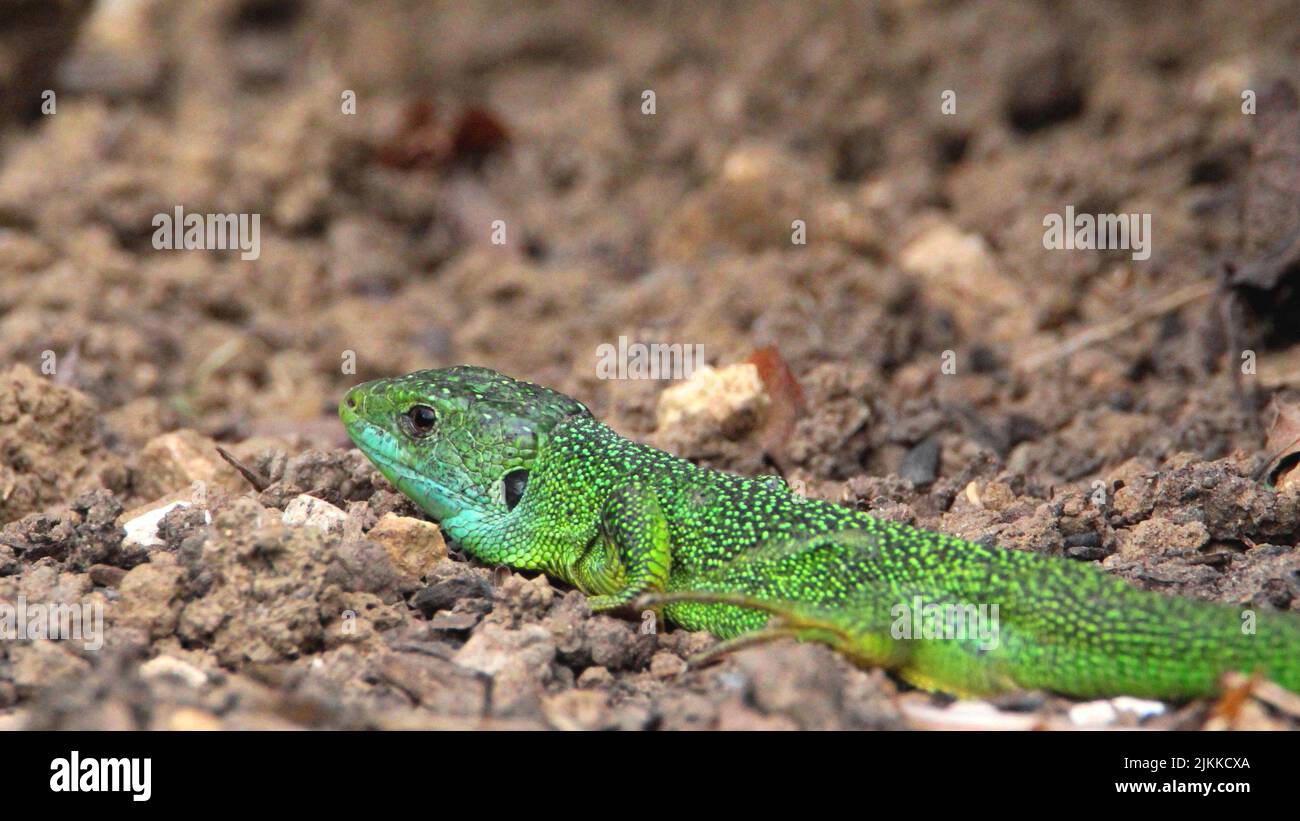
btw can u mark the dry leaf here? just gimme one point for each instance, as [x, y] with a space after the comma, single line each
[1283, 446]
[787, 402]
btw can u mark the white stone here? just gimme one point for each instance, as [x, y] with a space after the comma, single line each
[143, 529]
[308, 511]
[161, 666]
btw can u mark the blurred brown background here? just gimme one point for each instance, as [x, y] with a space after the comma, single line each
[1074, 369]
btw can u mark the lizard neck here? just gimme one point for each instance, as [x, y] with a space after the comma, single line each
[558, 519]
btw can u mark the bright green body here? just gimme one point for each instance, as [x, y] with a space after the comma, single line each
[620, 520]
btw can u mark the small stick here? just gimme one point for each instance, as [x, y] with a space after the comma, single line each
[1115, 327]
[257, 480]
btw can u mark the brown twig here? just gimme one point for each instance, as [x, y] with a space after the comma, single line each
[1117, 326]
[257, 480]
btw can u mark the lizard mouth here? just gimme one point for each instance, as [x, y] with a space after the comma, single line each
[377, 444]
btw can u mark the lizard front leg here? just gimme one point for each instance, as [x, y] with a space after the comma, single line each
[633, 525]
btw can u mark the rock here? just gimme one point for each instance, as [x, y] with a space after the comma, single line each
[98, 538]
[921, 464]
[414, 545]
[1140, 707]
[1219, 84]
[434, 683]
[725, 401]
[687, 710]
[449, 583]
[106, 575]
[526, 596]
[170, 666]
[1161, 536]
[1044, 85]
[493, 647]
[455, 622]
[50, 448]
[961, 276]
[40, 665]
[1106, 712]
[965, 715]
[151, 596]
[664, 664]
[308, 511]
[360, 617]
[39, 535]
[188, 719]
[84, 534]
[267, 591]
[519, 662]
[364, 566]
[733, 714]
[46, 581]
[182, 522]
[177, 460]
[617, 645]
[751, 203]
[596, 676]
[803, 682]
[1093, 714]
[142, 530]
[577, 710]
[685, 643]
[565, 623]
[831, 439]
[517, 691]
[338, 477]
[141, 419]
[118, 54]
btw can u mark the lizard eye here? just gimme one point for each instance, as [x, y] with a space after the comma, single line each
[516, 481]
[420, 420]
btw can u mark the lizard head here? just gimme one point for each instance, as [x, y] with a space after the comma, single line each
[460, 441]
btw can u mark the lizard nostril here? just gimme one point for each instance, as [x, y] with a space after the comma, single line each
[351, 401]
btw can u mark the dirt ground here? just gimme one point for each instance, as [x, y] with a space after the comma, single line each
[956, 373]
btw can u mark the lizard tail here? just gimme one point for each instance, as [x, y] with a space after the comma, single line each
[1148, 644]
[965, 618]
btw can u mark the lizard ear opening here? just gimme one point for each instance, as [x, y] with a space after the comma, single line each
[515, 482]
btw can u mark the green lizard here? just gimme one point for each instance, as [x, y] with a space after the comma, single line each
[524, 476]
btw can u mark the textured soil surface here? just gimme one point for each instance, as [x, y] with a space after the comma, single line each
[954, 373]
